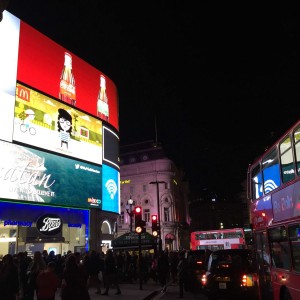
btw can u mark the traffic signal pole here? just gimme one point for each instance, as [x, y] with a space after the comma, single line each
[139, 229]
[158, 214]
[140, 261]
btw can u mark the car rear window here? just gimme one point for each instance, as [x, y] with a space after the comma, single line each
[226, 260]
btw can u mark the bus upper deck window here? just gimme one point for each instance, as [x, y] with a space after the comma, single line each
[271, 172]
[287, 160]
[297, 148]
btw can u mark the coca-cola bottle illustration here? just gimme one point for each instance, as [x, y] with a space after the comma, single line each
[67, 90]
[102, 100]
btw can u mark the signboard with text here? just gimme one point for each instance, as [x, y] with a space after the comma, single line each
[31, 175]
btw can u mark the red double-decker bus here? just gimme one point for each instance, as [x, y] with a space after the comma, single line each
[273, 189]
[233, 238]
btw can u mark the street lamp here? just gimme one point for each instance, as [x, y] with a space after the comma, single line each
[129, 211]
[158, 213]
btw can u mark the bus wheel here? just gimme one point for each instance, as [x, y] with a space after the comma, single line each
[287, 295]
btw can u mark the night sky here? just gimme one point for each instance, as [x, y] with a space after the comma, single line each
[222, 83]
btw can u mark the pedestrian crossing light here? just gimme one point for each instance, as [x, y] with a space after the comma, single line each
[139, 223]
[154, 225]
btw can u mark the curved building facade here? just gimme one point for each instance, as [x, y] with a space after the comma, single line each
[59, 144]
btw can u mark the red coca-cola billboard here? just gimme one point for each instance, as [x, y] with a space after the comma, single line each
[45, 65]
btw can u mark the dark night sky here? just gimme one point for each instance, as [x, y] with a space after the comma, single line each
[222, 82]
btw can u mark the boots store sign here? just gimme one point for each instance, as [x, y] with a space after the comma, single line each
[49, 224]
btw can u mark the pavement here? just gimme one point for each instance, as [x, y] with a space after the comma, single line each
[172, 292]
[149, 291]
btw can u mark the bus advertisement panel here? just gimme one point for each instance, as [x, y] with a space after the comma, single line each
[273, 190]
[218, 239]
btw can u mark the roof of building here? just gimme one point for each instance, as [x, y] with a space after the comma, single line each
[141, 152]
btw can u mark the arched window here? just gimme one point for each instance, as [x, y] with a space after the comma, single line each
[106, 228]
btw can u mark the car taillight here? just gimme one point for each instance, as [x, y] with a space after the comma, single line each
[248, 280]
[203, 279]
[199, 262]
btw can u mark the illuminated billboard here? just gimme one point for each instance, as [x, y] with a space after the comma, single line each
[43, 122]
[46, 66]
[31, 175]
[9, 32]
[110, 189]
[37, 61]
[110, 148]
[66, 112]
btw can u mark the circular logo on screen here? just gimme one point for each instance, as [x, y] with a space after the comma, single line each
[49, 224]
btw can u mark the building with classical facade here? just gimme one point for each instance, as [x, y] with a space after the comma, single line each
[153, 181]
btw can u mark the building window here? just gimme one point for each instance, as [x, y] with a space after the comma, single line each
[147, 215]
[145, 157]
[132, 159]
[121, 218]
[131, 190]
[166, 214]
[144, 188]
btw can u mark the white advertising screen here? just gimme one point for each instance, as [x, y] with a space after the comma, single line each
[43, 122]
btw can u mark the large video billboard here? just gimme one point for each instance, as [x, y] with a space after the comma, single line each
[9, 37]
[41, 121]
[46, 66]
[56, 104]
[31, 175]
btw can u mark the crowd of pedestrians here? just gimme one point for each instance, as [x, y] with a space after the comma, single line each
[24, 278]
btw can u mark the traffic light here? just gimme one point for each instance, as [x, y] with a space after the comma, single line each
[139, 223]
[155, 226]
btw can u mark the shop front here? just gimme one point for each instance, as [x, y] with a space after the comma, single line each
[169, 239]
[30, 227]
[130, 242]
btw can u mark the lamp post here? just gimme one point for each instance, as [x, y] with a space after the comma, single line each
[129, 211]
[158, 213]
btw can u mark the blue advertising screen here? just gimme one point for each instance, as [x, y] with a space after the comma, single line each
[111, 189]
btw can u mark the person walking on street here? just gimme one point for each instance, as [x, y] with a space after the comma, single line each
[47, 283]
[93, 268]
[22, 265]
[110, 273]
[35, 267]
[9, 278]
[182, 272]
[74, 284]
[174, 260]
[163, 268]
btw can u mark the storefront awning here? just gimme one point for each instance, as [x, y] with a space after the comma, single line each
[131, 240]
[170, 236]
[45, 239]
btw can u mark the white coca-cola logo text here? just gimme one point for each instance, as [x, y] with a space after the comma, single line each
[50, 224]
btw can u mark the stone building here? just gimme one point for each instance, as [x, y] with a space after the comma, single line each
[151, 180]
